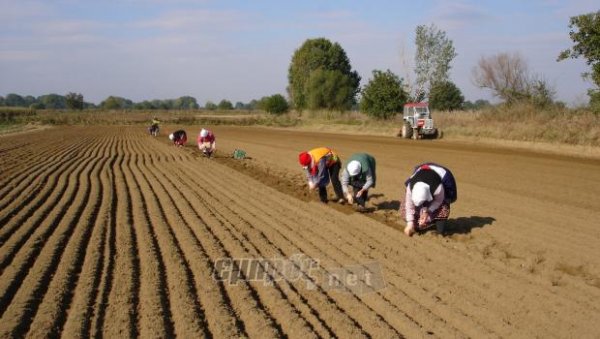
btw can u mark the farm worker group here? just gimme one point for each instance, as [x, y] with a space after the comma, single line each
[429, 191]
[323, 165]
[206, 140]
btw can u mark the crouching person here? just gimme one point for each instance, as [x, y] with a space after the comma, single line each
[360, 175]
[429, 192]
[207, 143]
[179, 137]
[322, 165]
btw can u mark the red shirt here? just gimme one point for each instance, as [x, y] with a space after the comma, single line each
[210, 137]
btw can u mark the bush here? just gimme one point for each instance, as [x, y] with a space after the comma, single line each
[383, 96]
[275, 104]
[445, 96]
[225, 105]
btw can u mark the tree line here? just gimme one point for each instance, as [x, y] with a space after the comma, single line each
[320, 77]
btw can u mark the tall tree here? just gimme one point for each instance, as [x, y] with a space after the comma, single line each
[383, 96]
[506, 75]
[74, 100]
[585, 33]
[434, 54]
[332, 64]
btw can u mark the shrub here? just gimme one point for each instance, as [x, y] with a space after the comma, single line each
[383, 96]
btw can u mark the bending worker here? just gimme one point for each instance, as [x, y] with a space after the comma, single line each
[207, 142]
[429, 192]
[322, 165]
[178, 137]
[360, 174]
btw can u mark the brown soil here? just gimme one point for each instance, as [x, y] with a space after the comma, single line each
[108, 231]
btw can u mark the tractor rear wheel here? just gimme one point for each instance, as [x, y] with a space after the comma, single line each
[407, 131]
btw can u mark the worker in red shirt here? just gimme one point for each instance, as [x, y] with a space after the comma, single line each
[207, 142]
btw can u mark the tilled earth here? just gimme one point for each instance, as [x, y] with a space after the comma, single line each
[106, 231]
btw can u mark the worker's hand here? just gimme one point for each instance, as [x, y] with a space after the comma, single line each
[350, 198]
[311, 185]
[360, 193]
[423, 217]
[409, 229]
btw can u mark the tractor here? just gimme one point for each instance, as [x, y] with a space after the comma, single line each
[417, 122]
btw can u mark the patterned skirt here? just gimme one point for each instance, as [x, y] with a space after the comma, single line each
[442, 213]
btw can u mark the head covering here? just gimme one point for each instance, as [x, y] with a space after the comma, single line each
[171, 136]
[421, 193]
[203, 133]
[353, 167]
[304, 159]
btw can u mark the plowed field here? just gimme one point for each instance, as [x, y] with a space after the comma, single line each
[110, 232]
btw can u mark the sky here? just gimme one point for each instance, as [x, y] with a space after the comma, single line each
[241, 50]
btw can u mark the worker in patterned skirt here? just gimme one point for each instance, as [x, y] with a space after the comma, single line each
[429, 192]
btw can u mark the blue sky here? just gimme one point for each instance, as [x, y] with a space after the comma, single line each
[241, 50]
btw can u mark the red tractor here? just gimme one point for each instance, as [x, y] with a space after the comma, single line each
[417, 121]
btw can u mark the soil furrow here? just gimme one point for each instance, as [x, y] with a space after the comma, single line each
[177, 210]
[155, 318]
[56, 302]
[79, 317]
[34, 201]
[33, 235]
[244, 298]
[26, 301]
[323, 300]
[185, 309]
[119, 306]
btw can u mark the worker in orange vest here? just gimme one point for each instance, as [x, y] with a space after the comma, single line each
[323, 165]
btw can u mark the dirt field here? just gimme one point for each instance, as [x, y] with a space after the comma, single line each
[108, 231]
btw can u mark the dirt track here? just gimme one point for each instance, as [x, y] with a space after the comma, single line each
[107, 231]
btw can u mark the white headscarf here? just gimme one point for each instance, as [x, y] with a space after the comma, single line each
[421, 193]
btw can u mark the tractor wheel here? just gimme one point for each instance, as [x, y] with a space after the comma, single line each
[406, 131]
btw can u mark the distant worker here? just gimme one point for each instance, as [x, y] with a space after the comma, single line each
[206, 142]
[361, 175]
[178, 137]
[429, 192]
[322, 165]
[154, 128]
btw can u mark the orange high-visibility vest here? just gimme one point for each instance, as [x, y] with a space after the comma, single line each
[318, 153]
